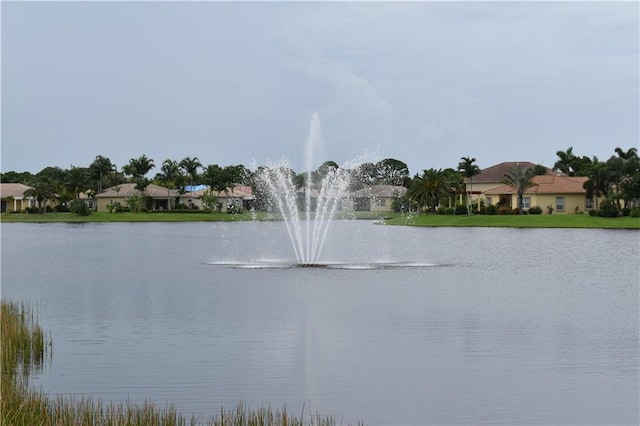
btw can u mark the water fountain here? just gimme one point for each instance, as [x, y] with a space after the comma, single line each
[307, 226]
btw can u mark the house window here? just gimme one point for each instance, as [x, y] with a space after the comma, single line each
[489, 201]
[526, 203]
[559, 204]
[589, 204]
[381, 202]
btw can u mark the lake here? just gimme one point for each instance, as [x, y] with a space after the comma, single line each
[402, 326]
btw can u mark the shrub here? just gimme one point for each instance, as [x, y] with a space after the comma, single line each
[31, 210]
[446, 210]
[608, 209]
[535, 210]
[635, 212]
[515, 211]
[549, 209]
[626, 211]
[80, 208]
[503, 210]
[461, 209]
[593, 213]
[491, 209]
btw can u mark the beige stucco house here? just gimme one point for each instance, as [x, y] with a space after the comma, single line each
[375, 198]
[492, 177]
[161, 198]
[565, 194]
[13, 199]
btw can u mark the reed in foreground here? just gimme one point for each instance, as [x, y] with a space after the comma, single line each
[25, 348]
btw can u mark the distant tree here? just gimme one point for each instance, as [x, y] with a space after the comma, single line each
[520, 179]
[77, 179]
[100, 169]
[138, 167]
[190, 167]
[468, 170]
[566, 162]
[427, 189]
[539, 170]
[362, 176]
[170, 174]
[15, 177]
[213, 176]
[42, 190]
[325, 167]
[392, 172]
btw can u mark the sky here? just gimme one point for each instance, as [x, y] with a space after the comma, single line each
[238, 82]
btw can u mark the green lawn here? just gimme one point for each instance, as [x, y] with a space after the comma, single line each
[513, 221]
[516, 221]
[166, 217]
[128, 217]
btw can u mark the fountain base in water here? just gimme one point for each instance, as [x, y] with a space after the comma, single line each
[275, 264]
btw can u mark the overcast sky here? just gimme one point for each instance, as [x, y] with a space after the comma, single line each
[233, 83]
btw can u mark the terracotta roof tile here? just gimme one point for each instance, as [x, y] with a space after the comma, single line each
[548, 184]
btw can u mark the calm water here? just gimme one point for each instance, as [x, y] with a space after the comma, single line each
[497, 326]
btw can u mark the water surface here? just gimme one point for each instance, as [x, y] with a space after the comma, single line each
[414, 326]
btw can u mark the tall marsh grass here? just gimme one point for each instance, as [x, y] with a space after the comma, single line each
[25, 348]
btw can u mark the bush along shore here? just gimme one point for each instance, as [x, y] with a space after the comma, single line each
[25, 349]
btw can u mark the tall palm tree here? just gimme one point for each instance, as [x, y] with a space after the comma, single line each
[520, 179]
[138, 167]
[598, 183]
[100, 169]
[190, 167]
[169, 175]
[469, 170]
[428, 188]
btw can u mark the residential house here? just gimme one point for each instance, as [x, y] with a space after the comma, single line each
[564, 194]
[375, 198]
[161, 198]
[13, 199]
[240, 197]
[492, 177]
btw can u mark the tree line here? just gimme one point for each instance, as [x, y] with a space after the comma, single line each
[616, 179]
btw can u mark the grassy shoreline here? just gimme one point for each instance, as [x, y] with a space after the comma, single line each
[516, 221]
[423, 220]
[24, 347]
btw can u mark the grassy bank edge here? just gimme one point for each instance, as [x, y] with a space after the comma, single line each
[425, 220]
[517, 221]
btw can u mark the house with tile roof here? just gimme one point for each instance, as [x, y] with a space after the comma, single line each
[160, 198]
[13, 199]
[491, 177]
[565, 194]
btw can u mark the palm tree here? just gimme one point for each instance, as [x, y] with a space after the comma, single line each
[138, 167]
[429, 188]
[191, 166]
[100, 169]
[520, 179]
[598, 183]
[169, 175]
[566, 162]
[42, 190]
[76, 180]
[469, 170]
